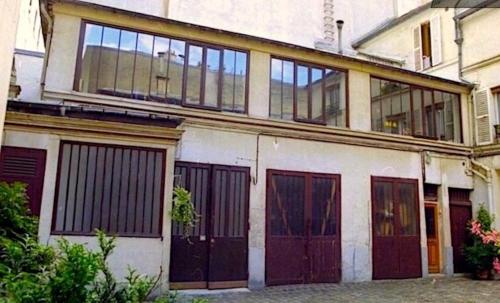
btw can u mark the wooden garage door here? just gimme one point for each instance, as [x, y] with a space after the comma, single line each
[215, 255]
[303, 228]
[26, 165]
[396, 231]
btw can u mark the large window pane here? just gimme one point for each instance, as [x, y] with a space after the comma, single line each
[234, 86]
[142, 66]
[317, 94]
[282, 80]
[126, 63]
[108, 61]
[408, 110]
[228, 85]
[175, 70]
[193, 84]
[159, 70]
[335, 97]
[91, 51]
[428, 114]
[212, 66]
[302, 92]
[417, 112]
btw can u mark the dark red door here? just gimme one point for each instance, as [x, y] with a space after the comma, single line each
[215, 255]
[396, 232]
[26, 165]
[303, 228]
[460, 215]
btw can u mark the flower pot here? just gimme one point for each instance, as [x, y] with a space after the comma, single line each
[482, 274]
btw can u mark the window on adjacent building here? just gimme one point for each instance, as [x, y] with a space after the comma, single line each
[143, 66]
[307, 93]
[118, 189]
[427, 44]
[399, 108]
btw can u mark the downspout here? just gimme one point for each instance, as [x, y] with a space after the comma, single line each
[50, 27]
[459, 39]
[487, 178]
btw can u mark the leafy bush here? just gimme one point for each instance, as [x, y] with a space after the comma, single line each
[32, 272]
[482, 254]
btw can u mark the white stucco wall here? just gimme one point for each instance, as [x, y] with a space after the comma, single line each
[29, 31]
[234, 148]
[149, 7]
[28, 73]
[9, 14]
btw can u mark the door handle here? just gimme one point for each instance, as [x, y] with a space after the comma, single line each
[212, 241]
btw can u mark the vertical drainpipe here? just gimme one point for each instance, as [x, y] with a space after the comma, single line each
[340, 24]
[50, 26]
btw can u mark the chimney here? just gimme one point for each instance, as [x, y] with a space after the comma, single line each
[340, 24]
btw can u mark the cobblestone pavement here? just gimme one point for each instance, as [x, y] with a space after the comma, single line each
[419, 290]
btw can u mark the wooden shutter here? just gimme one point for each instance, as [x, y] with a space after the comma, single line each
[437, 56]
[482, 116]
[417, 48]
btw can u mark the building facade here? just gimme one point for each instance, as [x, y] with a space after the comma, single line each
[297, 178]
[447, 43]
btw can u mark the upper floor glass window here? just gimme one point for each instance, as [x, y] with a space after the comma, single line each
[143, 66]
[403, 109]
[307, 93]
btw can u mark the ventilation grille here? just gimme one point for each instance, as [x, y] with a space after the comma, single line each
[19, 166]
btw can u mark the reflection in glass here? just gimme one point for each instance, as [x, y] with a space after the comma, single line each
[428, 114]
[108, 61]
[212, 66]
[384, 209]
[90, 58]
[175, 70]
[335, 97]
[159, 68]
[142, 69]
[240, 82]
[193, 83]
[407, 209]
[302, 92]
[417, 112]
[229, 66]
[316, 94]
[126, 61]
[282, 79]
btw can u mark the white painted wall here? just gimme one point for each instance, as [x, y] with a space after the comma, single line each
[29, 32]
[149, 7]
[28, 75]
[9, 14]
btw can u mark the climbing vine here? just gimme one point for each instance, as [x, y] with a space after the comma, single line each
[183, 211]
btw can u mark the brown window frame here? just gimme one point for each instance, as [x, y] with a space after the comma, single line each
[310, 66]
[204, 45]
[139, 149]
[413, 87]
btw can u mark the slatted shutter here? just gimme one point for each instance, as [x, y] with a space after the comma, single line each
[482, 116]
[417, 48]
[26, 165]
[437, 56]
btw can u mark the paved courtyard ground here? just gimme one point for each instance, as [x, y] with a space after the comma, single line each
[419, 290]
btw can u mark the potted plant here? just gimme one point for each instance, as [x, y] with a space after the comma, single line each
[482, 254]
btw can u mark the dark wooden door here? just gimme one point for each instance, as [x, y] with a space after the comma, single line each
[216, 253]
[431, 226]
[460, 215]
[26, 165]
[228, 264]
[396, 233]
[303, 228]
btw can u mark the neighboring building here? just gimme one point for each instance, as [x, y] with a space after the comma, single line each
[8, 24]
[29, 51]
[276, 142]
[453, 44]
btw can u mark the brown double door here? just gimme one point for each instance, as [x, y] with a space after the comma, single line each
[26, 165]
[396, 231]
[303, 228]
[215, 255]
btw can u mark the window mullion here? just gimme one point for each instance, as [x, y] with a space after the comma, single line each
[203, 75]
[309, 93]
